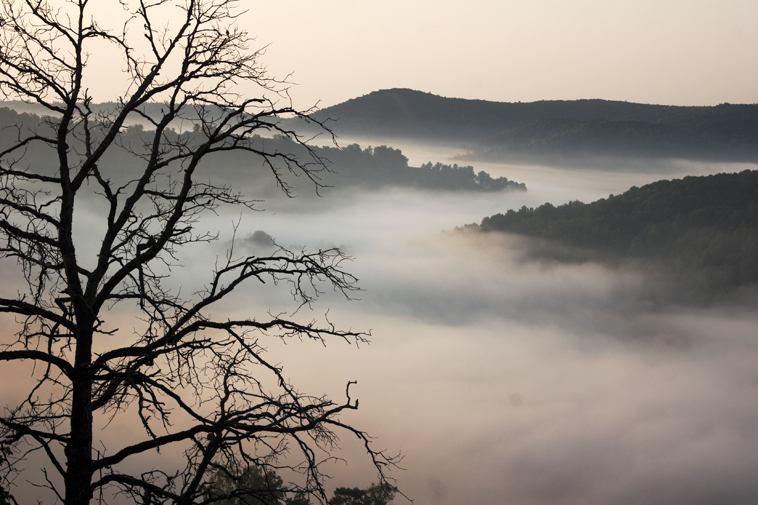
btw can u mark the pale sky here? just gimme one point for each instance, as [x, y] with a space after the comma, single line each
[678, 52]
[674, 52]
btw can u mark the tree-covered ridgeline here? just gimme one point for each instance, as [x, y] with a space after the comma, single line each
[349, 166]
[552, 131]
[727, 132]
[414, 114]
[385, 166]
[259, 486]
[699, 227]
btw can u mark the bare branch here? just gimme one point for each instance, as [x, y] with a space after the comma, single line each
[191, 380]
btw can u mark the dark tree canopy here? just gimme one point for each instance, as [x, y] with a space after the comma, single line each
[251, 486]
[351, 166]
[549, 131]
[192, 383]
[704, 229]
[376, 494]
[255, 485]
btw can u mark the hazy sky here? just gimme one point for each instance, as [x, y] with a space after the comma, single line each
[681, 52]
[677, 52]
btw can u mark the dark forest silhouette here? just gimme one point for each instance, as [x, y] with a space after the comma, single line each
[703, 230]
[551, 130]
[347, 167]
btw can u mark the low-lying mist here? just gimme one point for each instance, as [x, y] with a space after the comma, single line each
[504, 379]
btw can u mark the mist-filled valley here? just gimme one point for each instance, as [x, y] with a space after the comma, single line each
[501, 376]
[509, 380]
[378, 253]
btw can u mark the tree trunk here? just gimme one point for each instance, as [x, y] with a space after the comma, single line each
[79, 449]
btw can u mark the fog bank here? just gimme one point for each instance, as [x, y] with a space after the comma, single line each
[501, 379]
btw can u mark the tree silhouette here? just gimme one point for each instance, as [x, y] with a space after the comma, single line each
[194, 384]
[251, 486]
[376, 494]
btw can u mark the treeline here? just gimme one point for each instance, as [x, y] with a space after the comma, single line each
[704, 229]
[382, 165]
[256, 486]
[348, 166]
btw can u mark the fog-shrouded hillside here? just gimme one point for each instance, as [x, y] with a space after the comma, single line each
[702, 230]
[551, 130]
[346, 167]
[569, 385]
[704, 135]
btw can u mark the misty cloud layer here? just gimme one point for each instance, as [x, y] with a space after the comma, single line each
[502, 379]
[505, 380]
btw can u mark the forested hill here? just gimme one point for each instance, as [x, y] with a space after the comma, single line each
[726, 132]
[537, 130]
[703, 228]
[401, 112]
[555, 132]
[349, 167]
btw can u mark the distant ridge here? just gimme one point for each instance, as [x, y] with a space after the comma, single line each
[349, 166]
[399, 112]
[550, 128]
[554, 132]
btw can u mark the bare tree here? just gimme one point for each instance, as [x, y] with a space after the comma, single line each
[193, 381]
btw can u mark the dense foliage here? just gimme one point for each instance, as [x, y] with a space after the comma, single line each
[256, 486]
[705, 228]
[384, 165]
[376, 494]
[251, 486]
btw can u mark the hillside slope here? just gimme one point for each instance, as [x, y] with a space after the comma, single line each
[703, 229]
[406, 112]
[345, 167]
[551, 130]
[702, 135]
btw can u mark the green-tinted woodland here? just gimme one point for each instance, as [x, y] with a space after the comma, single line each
[703, 230]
